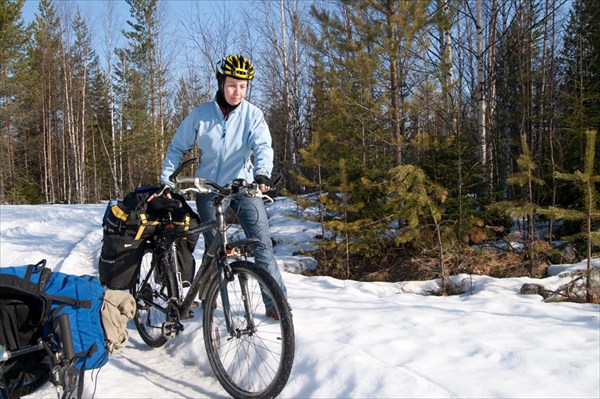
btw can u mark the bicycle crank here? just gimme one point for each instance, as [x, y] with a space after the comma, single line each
[170, 329]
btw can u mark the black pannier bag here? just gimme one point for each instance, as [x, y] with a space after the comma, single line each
[127, 227]
[184, 219]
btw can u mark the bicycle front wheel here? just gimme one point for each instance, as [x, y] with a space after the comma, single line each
[150, 296]
[253, 357]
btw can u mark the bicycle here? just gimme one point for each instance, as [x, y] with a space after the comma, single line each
[48, 359]
[250, 353]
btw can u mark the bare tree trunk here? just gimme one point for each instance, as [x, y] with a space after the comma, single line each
[481, 99]
[82, 135]
[8, 155]
[491, 105]
[448, 63]
[48, 159]
[114, 155]
[95, 195]
[394, 79]
[69, 129]
[161, 101]
[550, 116]
[286, 88]
[295, 83]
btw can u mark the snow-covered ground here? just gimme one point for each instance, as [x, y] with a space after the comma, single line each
[353, 339]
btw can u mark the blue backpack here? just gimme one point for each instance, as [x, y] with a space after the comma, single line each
[32, 297]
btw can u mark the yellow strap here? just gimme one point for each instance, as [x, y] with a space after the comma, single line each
[145, 223]
[185, 223]
[118, 212]
[142, 227]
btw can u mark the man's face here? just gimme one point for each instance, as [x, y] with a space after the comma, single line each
[234, 90]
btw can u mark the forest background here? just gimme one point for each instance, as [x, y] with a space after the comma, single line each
[421, 127]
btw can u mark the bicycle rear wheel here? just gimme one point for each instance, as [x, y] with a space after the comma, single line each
[254, 358]
[150, 296]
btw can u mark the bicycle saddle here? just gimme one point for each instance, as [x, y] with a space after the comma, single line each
[165, 204]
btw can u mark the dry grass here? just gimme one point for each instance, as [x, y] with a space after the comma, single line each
[398, 265]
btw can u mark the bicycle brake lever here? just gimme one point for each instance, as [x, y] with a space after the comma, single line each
[266, 199]
[254, 191]
[277, 180]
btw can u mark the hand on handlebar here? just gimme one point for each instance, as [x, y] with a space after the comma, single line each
[264, 183]
[164, 191]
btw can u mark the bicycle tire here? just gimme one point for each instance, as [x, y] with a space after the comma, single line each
[250, 363]
[28, 389]
[149, 321]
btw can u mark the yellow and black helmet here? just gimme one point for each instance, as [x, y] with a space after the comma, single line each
[235, 66]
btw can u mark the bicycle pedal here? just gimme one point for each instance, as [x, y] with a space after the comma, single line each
[195, 304]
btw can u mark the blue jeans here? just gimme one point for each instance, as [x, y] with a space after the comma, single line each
[253, 218]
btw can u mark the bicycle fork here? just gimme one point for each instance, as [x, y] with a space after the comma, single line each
[225, 278]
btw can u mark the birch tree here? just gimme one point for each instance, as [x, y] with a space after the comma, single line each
[76, 71]
[114, 148]
[45, 62]
[286, 84]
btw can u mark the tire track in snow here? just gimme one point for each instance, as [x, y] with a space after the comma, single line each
[83, 255]
[42, 235]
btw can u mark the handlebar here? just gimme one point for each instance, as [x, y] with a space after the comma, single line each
[204, 186]
[237, 187]
[180, 168]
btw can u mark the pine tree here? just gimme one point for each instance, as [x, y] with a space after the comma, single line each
[100, 132]
[12, 40]
[418, 201]
[147, 104]
[526, 208]
[587, 182]
[42, 103]
[580, 87]
[580, 66]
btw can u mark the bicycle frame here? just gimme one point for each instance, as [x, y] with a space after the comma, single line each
[250, 353]
[214, 261]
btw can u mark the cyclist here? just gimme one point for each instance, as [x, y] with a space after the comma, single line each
[228, 131]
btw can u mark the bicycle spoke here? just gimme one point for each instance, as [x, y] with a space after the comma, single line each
[254, 357]
[149, 293]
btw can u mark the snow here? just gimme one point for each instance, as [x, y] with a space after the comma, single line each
[353, 339]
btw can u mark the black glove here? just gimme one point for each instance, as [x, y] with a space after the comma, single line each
[262, 179]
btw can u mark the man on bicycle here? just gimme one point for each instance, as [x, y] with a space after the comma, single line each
[228, 131]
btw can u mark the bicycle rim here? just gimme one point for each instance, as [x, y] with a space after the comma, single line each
[149, 320]
[249, 362]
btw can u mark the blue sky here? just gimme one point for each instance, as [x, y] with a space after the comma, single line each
[92, 8]
[95, 9]
[177, 13]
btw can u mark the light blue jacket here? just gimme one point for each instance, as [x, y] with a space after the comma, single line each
[226, 144]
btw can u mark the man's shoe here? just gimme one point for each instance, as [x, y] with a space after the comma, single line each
[272, 314]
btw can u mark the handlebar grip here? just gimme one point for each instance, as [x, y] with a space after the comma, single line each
[185, 179]
[63, 330]
[180, 168]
